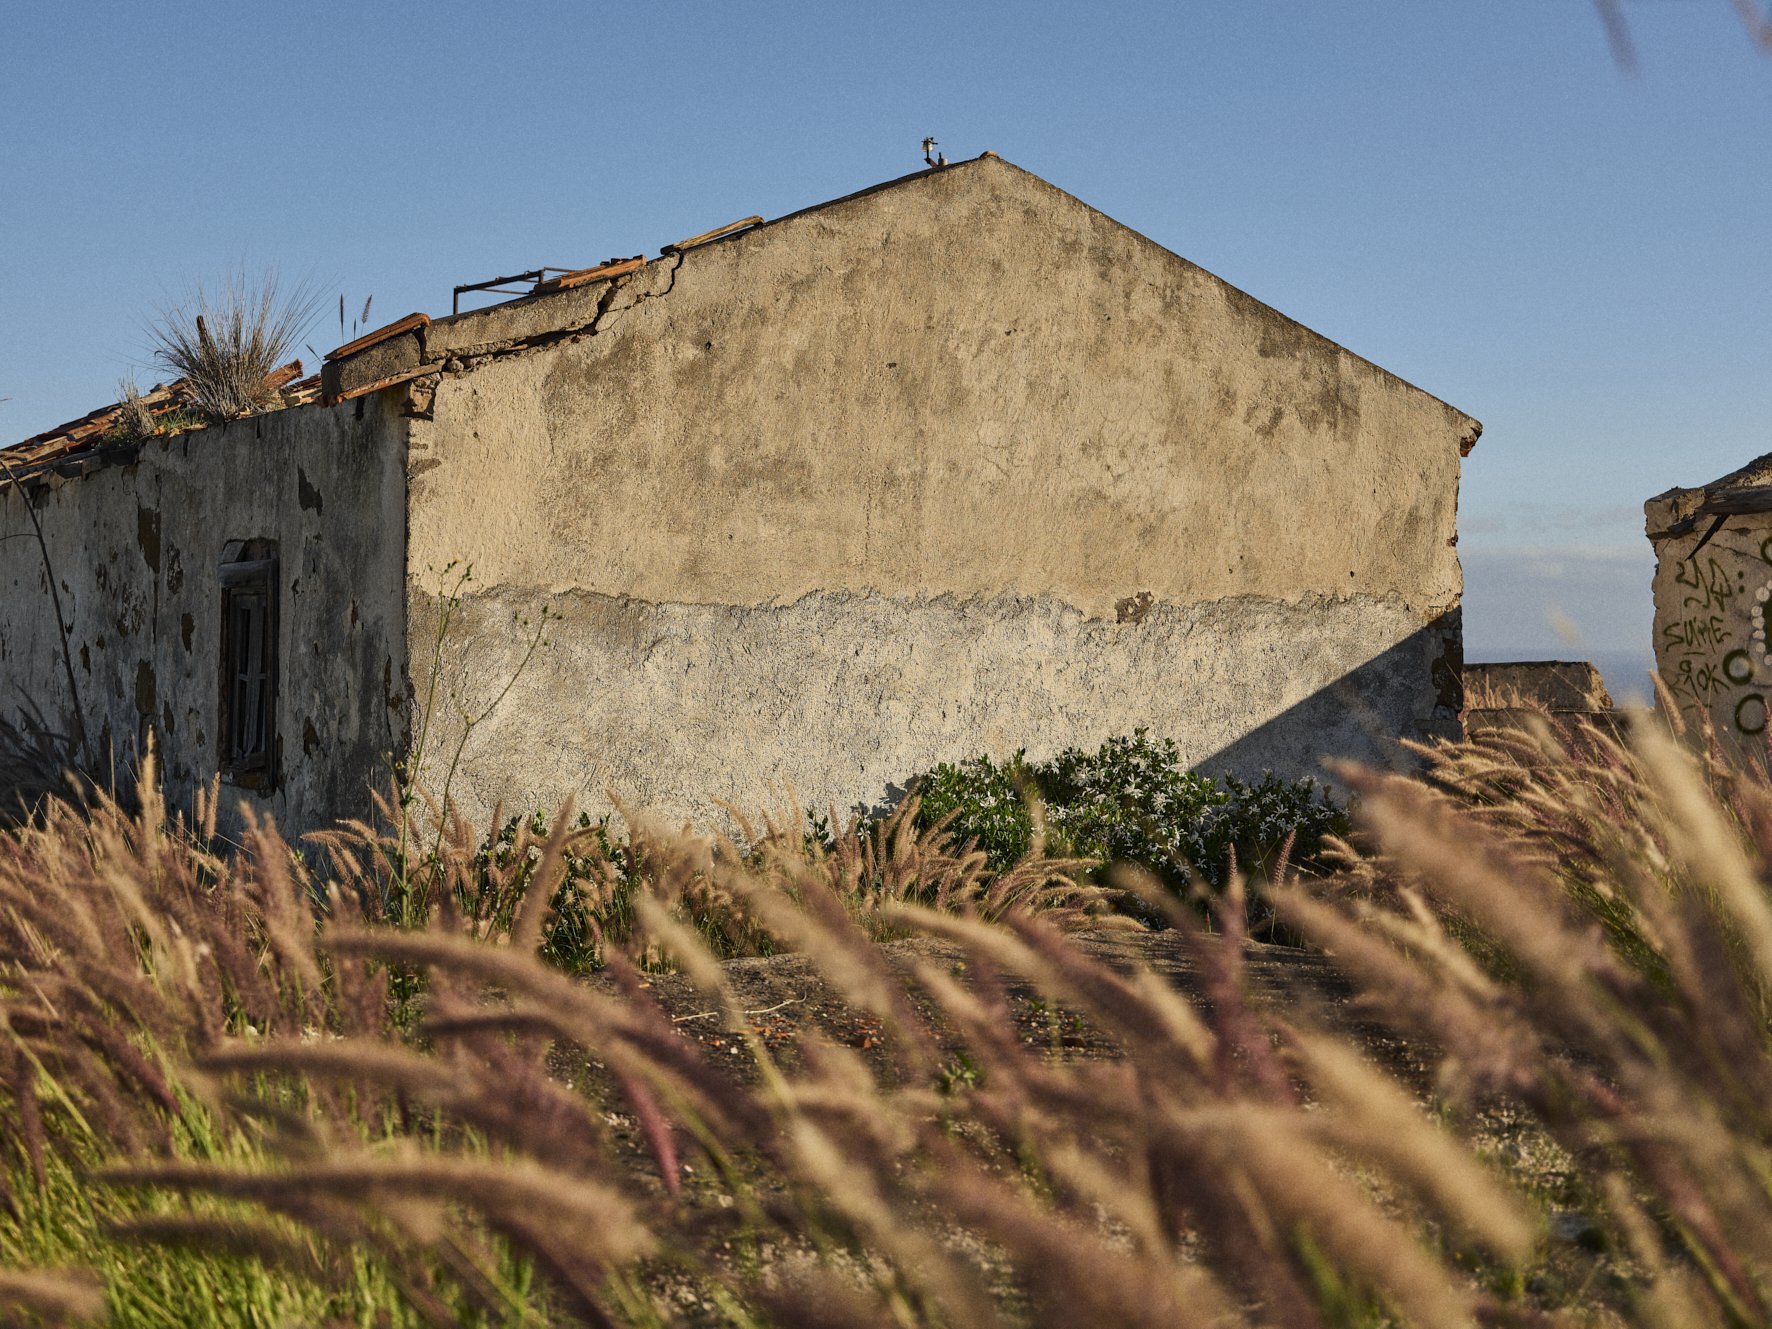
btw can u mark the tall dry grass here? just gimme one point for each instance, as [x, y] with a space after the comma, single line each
[1583, 925]
[1575, 927]
[224, 341]
[538, 1148]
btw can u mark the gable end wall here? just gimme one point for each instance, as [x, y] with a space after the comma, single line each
[955, 465]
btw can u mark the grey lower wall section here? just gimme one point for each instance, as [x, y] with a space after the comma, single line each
[135, 548]
[844, 696]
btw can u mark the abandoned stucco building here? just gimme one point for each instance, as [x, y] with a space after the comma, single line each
[953, 464]
[1713, 586]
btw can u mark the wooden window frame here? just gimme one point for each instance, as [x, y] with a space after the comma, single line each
[249, 759]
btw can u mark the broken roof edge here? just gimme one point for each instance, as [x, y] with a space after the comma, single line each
[1470, 429]
[381, 341]
[88, 442]
[1743, 491]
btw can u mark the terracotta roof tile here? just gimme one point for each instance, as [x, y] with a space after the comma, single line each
[380, 335]
[719, 232]
[614, 267]
[84, 437]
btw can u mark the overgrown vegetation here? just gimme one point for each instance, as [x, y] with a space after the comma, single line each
[226, 341]
[211, 1107]
[1131, 802]
[599, 876]
[135, 418]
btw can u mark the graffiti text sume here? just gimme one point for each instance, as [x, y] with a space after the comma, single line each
[1700, 634]
[1708, 587]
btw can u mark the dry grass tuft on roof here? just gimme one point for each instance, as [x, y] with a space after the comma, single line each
[227, 343]
[79, 445]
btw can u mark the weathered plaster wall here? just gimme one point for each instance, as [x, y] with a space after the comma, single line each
[135, 548]
[969, 383]
[871, 486]
[671, 707]
[1711, 607]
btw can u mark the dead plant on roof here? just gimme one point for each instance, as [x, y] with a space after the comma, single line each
[135, 418]
[226, 341]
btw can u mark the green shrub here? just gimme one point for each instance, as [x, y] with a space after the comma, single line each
[865, 868]
[1131, 801]
[988, 803]
[1255, 819]
[593, 905]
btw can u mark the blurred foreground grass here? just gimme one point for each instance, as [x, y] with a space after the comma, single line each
[232, 1091]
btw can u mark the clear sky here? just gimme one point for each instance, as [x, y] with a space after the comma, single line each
[1474, 195]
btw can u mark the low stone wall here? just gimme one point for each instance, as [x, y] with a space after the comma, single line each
[1510, 694]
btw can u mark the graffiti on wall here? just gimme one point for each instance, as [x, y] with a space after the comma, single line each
[1711, 636]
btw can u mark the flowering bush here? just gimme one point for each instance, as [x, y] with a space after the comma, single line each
[1130, 801]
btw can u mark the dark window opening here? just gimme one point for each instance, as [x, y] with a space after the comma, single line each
[248, 728]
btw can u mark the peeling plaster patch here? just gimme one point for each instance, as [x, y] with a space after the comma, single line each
[310, 496]
[166, 726]
[310, 740]
[147, 535]
[186, 626]
[145, 689]
[1133, 608]
[86, 657]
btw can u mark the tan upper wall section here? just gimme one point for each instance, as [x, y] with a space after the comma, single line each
[967, 383]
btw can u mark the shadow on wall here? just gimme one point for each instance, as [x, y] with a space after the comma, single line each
[39, 759]
[1413, 690]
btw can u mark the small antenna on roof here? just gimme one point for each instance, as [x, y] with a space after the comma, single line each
[932, 157]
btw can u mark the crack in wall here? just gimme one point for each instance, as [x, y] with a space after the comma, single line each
[457, 364]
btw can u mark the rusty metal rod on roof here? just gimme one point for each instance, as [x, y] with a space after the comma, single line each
[533, 275]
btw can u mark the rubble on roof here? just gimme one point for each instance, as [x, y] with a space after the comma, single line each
[77, 446]
[570, 303]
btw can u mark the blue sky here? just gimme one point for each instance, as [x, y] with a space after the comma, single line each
[1473, 195]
